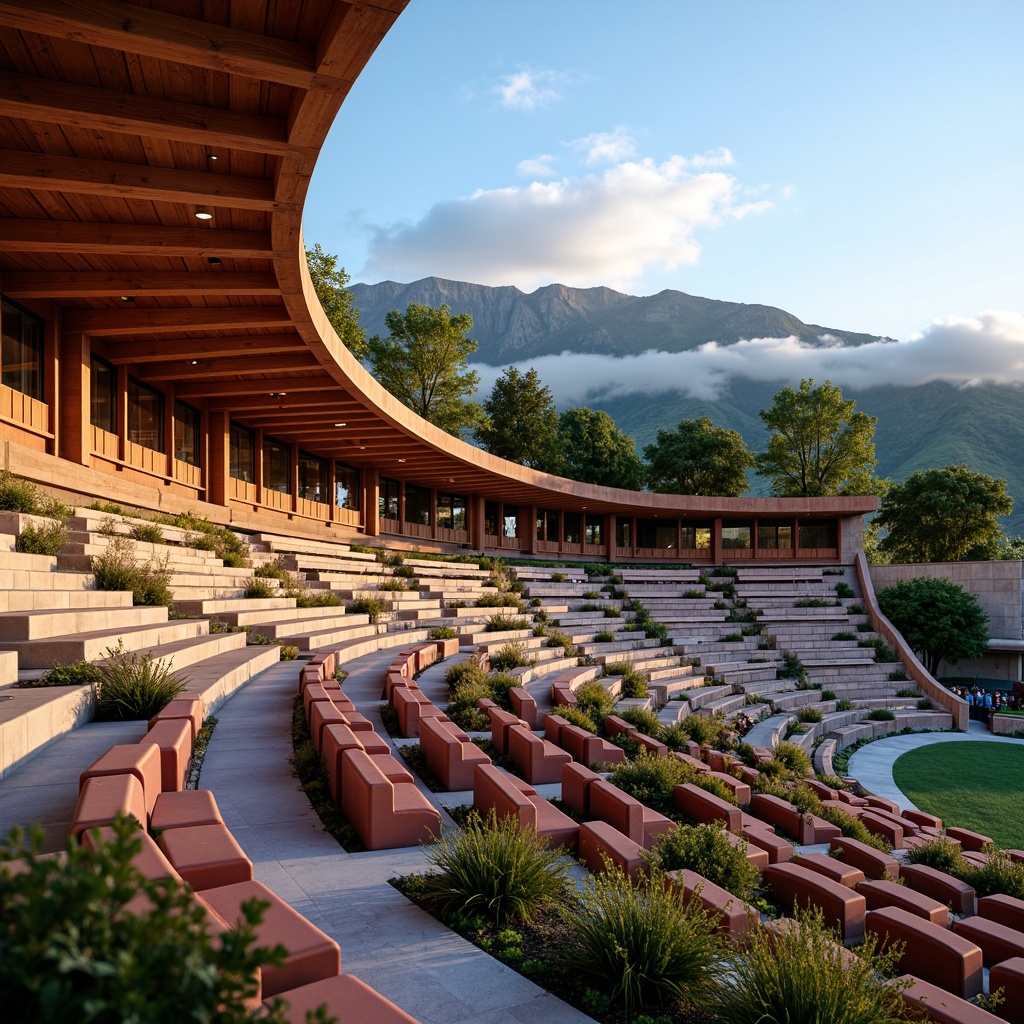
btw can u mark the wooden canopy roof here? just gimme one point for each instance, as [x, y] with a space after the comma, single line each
[122, 121]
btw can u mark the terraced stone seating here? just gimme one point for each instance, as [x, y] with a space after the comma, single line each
[735, 918]
[539, 761]
[501, 722]
[791, 884]
[874, 863]
[1009, 976]
[627, 814]
[450, 754]
[412, 706]
[346, 998]
[582, 746]
[337, 738]
[498, 791]
[705, 807]
[930, 1002]
[524, 705]
[601, 845]
[806, 829]
[958, 895]
[881, 893]
[998, 942]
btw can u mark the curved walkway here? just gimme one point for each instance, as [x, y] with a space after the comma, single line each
[872, 765]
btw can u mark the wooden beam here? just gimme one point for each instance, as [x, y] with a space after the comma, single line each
[86, 284]
[78, 237]
[220, 390]
[125, 352]
[93, 109]
[45, 173]
[183, 370]
[132, 29]
[109, 322]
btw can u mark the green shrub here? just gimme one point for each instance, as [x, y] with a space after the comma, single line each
[392, 586]
[603, 636]
[149, 533]
[442, 633]
[557, 638]
[828, 694]
[18, 495]
[462, 709]
[855, 609]
[706, 850]
[794, 758]
[884, 654]
[258, 587]
[1000, 875]
[78, 945]
[374, 607]
[595, 701]
[207, 536]
[811, 602]
[674, 736]
[844, 705]
[634, 682]
[844, 635]
[504, 624]
[707, 731]
[844, 590]
[495, 869]
[942, 855]
[646, 721]
[799, 975]
[809, 715]
[643, 945]
[317, 599]
[500, 600]
[118, 569]
[392, 559]
[651, 779]
[558, 577]
[133, 686]
[511, 656]
[881, 715]
[572, 714]
[500, 683]
[45, 539]
[407, 572]
[808, 802]
[76, 673]
[464, 673]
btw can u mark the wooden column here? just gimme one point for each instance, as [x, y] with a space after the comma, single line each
[257, 468]
[74, 426]
[218, 465]
[369, 501]
[608, 525]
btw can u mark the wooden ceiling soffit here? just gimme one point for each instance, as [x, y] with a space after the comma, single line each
[77, 238]
[93, 109]
[41, 172]
[125, 352]
[226, 369]
[133, 29]
[109, 322]
[89, 284]
[221, 391]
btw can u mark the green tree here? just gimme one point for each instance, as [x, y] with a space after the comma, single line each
[595, 451]
[424, 364]
[940, 515]
[331, 283]
[698, 458]
[938, 619]
[520, 422]
[818, 446]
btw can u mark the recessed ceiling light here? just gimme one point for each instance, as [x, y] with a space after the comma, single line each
[195, 362]
[202, 214]
[214, 261]
[211, 156]
[401, 460]
[278, 394]
[127, 298]
[341, 424]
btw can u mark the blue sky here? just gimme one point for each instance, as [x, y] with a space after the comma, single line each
[859, 165]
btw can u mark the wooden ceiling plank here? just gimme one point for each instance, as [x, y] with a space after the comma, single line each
[34, 284]
[227, 368]
[46, 236]
[126, 352]
[41, 172]
[221, 391]
[94, 109]
[133, 29]
[108, 322]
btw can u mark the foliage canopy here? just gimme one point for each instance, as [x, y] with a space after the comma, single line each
[331, 284]
[424, 363]
[942, 515]
[520, 422]
[938, 619]
[698, 458]
[818, 446]
[595, 451]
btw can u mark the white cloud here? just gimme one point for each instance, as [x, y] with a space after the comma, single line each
[606, 228]
[721, 157]
[528, 89]
[606, 147]
[963, 351]
[537, 166]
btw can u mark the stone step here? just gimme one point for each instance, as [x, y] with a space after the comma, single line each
[700, 696]
[318, 638]
[288, 625]
[225, 608]
[218, 677]
[62, 600]
[92, 644]
[724, 705]
[20, 626]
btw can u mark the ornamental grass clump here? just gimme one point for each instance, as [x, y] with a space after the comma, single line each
[646, 721]
[595, 701]
[642, 944]
[512, 655]
[574, 716]
[134, 687]
[117, 568]
[704, 730]
[706, 849]
[651, 779]
[800, 975]
[633, 682]
[493, 868]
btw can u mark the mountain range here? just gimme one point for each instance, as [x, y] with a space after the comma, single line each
[919, 427]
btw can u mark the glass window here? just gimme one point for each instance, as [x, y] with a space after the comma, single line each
[592, 529]
[819, 534]
[417, 504]
[656, 533]
[21, 352]
[547, 525]
[623, 532]
[145, 416]
[491, 518]
[451, 511]
[774, 536]
[696, 535]
[312, 477]
[571, 527]
[277, 465]
[389, 499]
[186, 433]
[103, 395]
[736, 536]
[242, 453]
[510, 527]
[346, 487]
[703, 537]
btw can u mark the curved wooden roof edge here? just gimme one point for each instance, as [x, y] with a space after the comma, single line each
[124, 224]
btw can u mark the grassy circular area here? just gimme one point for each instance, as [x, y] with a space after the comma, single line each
[974, 785]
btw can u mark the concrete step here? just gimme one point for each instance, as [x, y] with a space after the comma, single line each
[222, 608]
[62, 600]
[218, 677]
[724, 705]
[318, 638]
[20, 626]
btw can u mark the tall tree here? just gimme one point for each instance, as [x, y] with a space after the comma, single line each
[424, 364]
[818, 446]
[940, 515]
[698, 458]
[595, 451]
[938, 619]
[331, 283]
[520, 422]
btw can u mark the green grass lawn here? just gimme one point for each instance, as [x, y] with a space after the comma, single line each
[971, 785]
